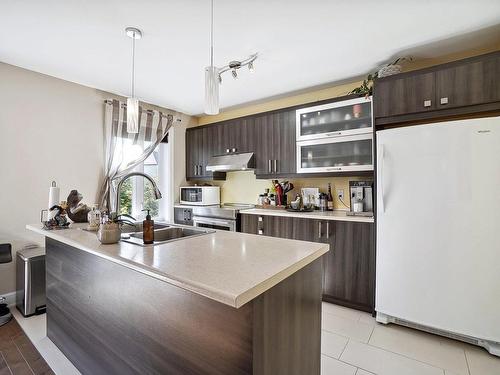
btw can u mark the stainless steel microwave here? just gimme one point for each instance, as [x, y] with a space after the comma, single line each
[199, 195]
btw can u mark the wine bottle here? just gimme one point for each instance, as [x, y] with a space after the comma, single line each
[329, 198]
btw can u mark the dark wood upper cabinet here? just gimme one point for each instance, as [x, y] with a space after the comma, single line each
[407, 94]
[201, 143]
[469, 84]
[275, 144]
[466, 87]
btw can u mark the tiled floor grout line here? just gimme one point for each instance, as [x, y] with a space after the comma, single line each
[335, 333]
[467, 362]
[343, 350]
[371, 334]
[408, 357]
[22, 355]
[6, 364]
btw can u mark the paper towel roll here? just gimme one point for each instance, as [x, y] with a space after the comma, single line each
[53, 199]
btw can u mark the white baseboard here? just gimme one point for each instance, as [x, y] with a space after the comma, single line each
[10, 298]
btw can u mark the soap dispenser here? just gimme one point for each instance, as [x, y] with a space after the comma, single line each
[148, 233]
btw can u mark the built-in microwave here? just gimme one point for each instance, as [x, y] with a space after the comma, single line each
[199, 195]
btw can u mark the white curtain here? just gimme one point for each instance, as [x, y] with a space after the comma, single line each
[153, 127]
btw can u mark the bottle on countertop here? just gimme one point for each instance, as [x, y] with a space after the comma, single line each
[148, 233]
[329, 198]
[272, 200]
[323, 202]
[94, 218]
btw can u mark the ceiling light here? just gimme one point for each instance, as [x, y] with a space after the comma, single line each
[213, 75]
[133, 102]
[211, 90]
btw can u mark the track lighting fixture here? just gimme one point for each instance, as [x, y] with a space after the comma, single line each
[235, 75]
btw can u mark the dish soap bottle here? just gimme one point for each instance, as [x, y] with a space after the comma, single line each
[148, 232]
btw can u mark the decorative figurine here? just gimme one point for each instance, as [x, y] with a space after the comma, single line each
[59, 219]
[77, 212]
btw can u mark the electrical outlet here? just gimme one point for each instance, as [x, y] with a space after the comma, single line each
[340, 193]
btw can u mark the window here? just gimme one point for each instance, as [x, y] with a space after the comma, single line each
[137, 193]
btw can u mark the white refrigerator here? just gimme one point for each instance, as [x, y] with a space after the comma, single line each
[438, 229]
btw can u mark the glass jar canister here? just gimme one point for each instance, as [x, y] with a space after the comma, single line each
[94, 218]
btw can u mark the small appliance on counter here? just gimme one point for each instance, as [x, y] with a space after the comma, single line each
[361, 195]
[199, 195]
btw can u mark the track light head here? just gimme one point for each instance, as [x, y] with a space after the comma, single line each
[234, 73]
[250, 67]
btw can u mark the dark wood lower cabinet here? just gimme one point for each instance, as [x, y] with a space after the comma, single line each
[349, 277]
[349, 266]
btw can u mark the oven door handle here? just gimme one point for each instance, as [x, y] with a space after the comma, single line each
[213, 221]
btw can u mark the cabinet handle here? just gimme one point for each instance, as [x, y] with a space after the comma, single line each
[333, 133]
[269, 167]
[327, 230]
[427, 103]
[200, 170]
[443, 100]
[319, 229]
[275, 166]
[195, 170]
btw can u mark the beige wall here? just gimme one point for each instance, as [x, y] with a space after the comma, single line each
[50, 129]
[244, 187]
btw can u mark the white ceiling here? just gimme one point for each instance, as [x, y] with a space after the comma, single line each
[301, 43]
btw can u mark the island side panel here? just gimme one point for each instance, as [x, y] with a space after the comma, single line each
[109, 319]
[287, 325]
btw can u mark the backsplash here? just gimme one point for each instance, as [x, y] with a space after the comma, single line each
[244, 187]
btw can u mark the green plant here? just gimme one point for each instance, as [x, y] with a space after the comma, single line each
[366, 86]
[122, 219]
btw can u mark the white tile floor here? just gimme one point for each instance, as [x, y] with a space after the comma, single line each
[352, 343]
[372, 348]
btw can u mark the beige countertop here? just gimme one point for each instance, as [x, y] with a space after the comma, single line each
[228, 267]
[319, 215]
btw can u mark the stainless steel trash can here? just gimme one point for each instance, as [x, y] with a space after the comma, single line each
[30, 277]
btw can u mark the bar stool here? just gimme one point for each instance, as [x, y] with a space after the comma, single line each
[5, 257]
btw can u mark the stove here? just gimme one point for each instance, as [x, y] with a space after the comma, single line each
[221, 217]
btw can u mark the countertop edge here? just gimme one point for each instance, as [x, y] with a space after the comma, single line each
[305, 215]
[235, 301]
[276, 279]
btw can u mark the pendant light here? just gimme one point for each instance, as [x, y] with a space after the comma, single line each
[133, 102]
[211, 74]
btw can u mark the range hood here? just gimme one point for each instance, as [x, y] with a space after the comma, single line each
[231, 162]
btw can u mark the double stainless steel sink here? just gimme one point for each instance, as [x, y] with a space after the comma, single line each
[163, 233]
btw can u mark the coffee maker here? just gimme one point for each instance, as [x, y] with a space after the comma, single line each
[361, 196]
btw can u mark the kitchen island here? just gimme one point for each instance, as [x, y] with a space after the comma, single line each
[219, 303]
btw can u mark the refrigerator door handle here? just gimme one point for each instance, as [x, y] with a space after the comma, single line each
[380, 184]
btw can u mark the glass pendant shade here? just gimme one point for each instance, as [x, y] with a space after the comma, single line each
[132, 115]
[211, 90]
